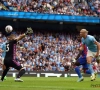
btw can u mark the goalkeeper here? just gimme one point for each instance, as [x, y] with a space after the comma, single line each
[10, 57]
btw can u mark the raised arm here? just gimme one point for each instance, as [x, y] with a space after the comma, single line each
[29, 31]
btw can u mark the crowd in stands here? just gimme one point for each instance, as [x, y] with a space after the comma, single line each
[47, 51]
[68, 7]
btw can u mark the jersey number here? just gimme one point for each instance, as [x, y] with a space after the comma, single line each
[7, 47]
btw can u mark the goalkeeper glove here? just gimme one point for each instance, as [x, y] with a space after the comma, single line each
[29, 31]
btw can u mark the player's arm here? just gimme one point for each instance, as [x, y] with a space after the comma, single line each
[20, 37]
[1, 50]
[29, 31]
[98, 47]
[80, 51]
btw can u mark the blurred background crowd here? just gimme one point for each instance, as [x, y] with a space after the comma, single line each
[50, 51]
[47, 51]
[68, 7]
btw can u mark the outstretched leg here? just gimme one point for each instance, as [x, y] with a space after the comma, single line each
[4, 72]
[77, 70]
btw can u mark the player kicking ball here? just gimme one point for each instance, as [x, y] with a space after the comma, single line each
[10, 57]
[93, 49]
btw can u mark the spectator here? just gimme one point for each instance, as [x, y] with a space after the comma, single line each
[47, 52]
[67, 7]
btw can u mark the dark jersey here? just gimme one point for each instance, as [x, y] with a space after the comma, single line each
[11, 50]
[10, 58]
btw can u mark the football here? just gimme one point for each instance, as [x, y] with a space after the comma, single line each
[8, 28]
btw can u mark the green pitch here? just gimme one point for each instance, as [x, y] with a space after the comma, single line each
[51, 83]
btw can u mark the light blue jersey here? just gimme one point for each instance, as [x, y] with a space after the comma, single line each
[3, 47]
[89, 42]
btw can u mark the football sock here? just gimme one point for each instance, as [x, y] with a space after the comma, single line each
[91, 69]
[21, 73]
[77, 70]
[4, 73]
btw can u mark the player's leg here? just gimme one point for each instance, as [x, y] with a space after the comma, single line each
[89, 63]
[21, 73]
[21, 70]
[2, 62]
[90, 67]
[0, 66]
[95, 68]
[5, 70]
[88, 71]
[85, 69]
[78, 71]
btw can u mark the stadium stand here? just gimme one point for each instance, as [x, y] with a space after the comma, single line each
[47, 51]
[50, 51]
[68, 7]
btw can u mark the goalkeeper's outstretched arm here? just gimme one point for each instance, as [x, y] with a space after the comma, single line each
[21, 37]
[29, 31]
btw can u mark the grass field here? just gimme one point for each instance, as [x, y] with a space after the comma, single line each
[51, 83]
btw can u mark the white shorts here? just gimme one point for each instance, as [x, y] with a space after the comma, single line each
[90, 53]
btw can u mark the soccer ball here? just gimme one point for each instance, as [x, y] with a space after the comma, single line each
[8, 28]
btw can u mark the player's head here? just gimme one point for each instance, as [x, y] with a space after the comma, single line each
[79, 38]
[83, 33]
[11, 37]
